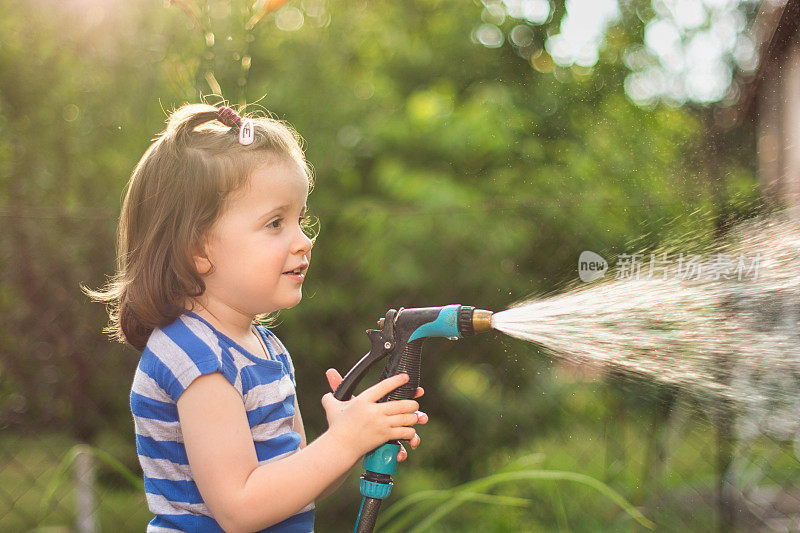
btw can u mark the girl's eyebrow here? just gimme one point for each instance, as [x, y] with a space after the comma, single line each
[281, 209]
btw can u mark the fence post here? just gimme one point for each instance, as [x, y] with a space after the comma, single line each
[85, 500]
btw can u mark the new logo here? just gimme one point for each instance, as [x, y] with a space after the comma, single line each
[591, 266]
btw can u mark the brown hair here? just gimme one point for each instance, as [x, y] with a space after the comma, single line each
[175, 194]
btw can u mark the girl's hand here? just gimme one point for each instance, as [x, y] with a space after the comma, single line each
[334, 379]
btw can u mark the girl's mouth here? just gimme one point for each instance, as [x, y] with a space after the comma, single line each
[295, 277]
[298, 274]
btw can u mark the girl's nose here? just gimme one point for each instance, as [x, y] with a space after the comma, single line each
[303, 243]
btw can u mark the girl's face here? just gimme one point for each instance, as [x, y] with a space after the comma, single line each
[257, 240]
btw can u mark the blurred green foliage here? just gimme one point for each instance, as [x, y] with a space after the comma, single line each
[446, 172]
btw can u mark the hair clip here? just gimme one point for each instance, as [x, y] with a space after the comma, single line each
[247, 132]
[231, 118]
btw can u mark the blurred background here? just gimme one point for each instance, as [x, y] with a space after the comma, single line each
[465, 152]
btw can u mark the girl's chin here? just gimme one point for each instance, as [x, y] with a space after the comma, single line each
[294, 301]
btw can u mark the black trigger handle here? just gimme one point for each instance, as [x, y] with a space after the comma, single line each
[382, 342]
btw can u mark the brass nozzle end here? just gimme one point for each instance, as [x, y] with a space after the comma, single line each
[481, 320]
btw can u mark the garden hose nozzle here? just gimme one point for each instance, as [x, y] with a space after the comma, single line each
[400, 338]
[481, 320]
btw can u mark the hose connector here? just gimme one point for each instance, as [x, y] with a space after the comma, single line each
[482, 320]
[472, 321]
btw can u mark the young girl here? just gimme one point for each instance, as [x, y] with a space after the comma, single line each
[211, 240]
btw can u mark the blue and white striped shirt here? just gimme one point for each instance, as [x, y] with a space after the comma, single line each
[174, 357]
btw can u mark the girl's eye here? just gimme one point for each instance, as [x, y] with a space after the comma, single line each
[304, 221]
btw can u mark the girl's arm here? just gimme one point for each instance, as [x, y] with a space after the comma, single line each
[298, 427]
[243, 496]
[297, 424]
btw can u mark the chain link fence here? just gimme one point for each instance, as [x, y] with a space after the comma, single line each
[68, 459]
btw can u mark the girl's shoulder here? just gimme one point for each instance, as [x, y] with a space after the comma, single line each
[178, 353]
[185, 337]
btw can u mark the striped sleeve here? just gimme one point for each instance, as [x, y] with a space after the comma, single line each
[279, 351]
[182, 352]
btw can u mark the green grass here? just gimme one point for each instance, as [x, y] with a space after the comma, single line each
[597, 473]
[562, 481]
[28, 466]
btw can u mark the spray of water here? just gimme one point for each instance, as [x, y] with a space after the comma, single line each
[728, 332]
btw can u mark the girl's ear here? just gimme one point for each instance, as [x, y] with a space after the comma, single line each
[201, 257]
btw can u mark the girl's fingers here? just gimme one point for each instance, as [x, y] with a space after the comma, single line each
[422, 418]
[402, 433]
[334, 378]
[328, 401]
[420, 392]
[402, 455]
[405, 419]
[382, 388]
[397, 407]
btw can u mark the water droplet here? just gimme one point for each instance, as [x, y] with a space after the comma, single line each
[289, 19]
[70, 112]
[488, 35]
